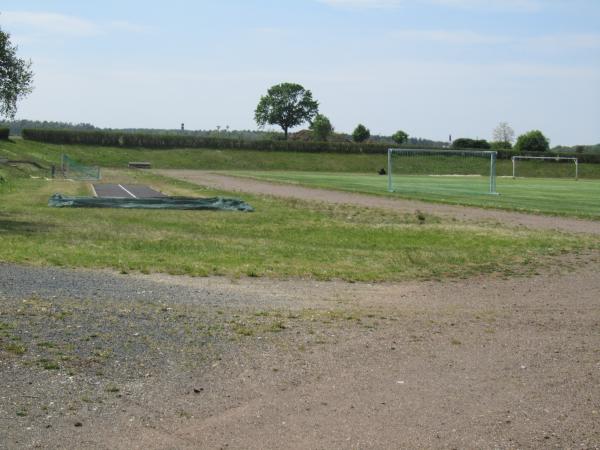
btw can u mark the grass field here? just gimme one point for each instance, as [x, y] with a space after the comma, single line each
[549, 196]
[283, 238]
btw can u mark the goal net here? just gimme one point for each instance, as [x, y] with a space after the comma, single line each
[545, 167]
[442, 171]
[76, 171]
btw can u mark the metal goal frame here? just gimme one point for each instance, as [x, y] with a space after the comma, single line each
[492, 155]
[553, 158]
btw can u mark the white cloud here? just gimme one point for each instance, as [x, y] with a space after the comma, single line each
[48, 23]
[51, 23]
[452, 37]
[550, 42]
[494, 5]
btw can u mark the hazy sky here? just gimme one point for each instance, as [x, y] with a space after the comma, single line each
[429, 67]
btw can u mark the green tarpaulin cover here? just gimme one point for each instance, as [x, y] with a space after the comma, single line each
[215, 203]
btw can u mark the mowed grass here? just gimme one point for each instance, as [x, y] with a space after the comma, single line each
[283, 238]
[540, 195]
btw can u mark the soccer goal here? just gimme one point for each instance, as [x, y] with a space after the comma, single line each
[76, 171]
[442, 171]
[545, 166]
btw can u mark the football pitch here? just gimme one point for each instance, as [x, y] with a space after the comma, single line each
[539, 195]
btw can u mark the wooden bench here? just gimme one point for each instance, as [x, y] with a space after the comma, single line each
[139, 165]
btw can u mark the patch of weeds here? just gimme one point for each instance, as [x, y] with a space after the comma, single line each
[48, 364]
[46, 344]
[455, 342]
[243, 330]
[22, 413]
[276, 327]
[184, 414]
[15, 349]
[112, 388]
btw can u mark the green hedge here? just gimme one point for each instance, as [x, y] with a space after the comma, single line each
[169, 141]
[4, 133]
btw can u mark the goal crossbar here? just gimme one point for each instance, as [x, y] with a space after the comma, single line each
[550, 158]
[492, 155]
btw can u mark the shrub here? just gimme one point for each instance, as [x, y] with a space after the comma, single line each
[532, 141]
[321, 127]
[466, 143]
[400, 137]
[361, 133]
[4, 133]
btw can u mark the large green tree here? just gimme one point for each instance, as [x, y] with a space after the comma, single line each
[16, 77]
[532, 141]
[287, 105]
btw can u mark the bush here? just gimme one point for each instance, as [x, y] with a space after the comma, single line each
[400, 137]
[532, 141]
[321, 127]
[4, 133]
[466, 143]
[361, 133]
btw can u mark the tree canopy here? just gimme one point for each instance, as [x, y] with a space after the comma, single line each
[532, 141]
[287, 105]
[321, 127]
[400, 137]
[16, 77]
[361, 133]
[504, 135]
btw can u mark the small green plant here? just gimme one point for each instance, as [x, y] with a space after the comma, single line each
[14, 348]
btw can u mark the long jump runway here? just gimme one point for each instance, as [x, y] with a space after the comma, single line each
[125, 191]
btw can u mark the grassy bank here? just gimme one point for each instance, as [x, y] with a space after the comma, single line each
[281, 239]
[266, 161]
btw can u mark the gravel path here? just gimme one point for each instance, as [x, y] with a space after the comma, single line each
[227, 183]
[154, 361]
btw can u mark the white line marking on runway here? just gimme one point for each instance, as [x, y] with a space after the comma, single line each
[127, 191]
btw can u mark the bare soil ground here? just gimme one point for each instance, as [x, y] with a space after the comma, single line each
[94, 359]
[460, 212]
[156, 361]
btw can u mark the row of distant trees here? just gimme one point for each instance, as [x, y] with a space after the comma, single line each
[504, 137]
[289, 105]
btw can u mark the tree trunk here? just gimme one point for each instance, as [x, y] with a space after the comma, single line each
[285, 131]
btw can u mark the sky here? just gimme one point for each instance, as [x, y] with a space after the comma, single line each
[433, 68]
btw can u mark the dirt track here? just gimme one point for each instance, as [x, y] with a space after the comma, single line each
[223, 182]
[479, 363]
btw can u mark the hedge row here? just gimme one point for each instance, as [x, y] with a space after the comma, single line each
[4, 133]
[169, 141]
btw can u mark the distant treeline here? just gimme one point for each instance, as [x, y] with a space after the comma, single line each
[17, 126]
[176, 141]
[578, 148]
[131, 139]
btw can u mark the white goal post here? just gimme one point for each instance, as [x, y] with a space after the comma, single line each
[541, 158]
[491, 156]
